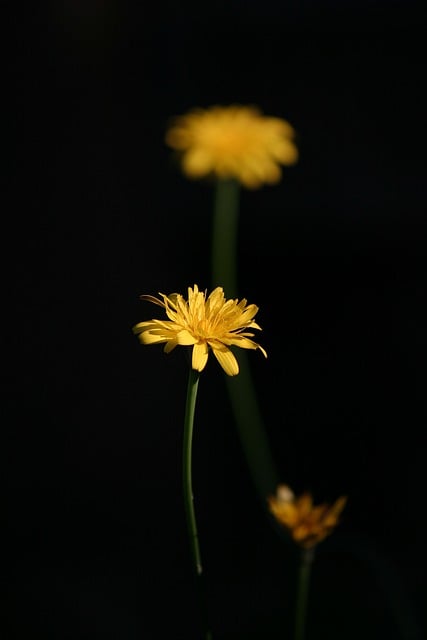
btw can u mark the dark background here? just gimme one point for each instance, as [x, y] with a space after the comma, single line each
[334, 256]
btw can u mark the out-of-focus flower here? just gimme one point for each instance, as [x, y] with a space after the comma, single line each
[308, 524]
[233, 142]
[204, 322]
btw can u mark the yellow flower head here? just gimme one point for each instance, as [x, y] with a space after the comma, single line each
[233, 142]
[206, 323]
[306, 523]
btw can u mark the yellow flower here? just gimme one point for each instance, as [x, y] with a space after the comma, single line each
[233, 142]
[306, 523]
[206, 323]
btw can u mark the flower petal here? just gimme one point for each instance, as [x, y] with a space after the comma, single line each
[226, 359]
[200, 356]
[285, 512]
[170, 345]
[244, 343]
[185, 338]
[196, 163]
[304, 504]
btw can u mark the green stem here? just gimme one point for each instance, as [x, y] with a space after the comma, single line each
[224, 236]
[241, 388]
[307, 557]
[251, 429]
[192, 387]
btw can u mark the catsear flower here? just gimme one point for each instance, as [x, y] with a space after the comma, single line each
[204, 322]
[307, 524]
[233, 142]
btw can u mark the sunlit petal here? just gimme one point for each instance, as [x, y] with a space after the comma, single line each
[200, 356]
[227, 360]
[185, 338]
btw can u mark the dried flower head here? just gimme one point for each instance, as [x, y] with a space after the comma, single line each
[307, 524]
[233, 142]
[207, 323]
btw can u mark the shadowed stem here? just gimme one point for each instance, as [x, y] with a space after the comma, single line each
[224, 236]
[192, 387]
[307, 557]
[241, 389]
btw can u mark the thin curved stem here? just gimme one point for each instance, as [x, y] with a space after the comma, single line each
[187, 483]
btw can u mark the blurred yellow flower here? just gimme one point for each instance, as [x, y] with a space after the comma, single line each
[233, 142]
[307, 524]
[206, 323]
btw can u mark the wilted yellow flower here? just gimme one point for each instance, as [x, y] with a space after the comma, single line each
[233, 142]
[306, 523]
[206, 323]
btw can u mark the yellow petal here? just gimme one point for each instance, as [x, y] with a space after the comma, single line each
[331, 517]
[185, 338]
[300, 532]
[287, 153]
[170, 345]
[149, 338]
[318, 512]
[339, 505]
[200, 356]
[178, 138]
[304, 504]
[285, 512]
[227, 360]
[244, 343]
[197, 162]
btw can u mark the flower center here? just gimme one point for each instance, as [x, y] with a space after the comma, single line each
[230, 142]
[202, 329]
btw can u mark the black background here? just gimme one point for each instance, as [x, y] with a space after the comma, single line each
[334, 256]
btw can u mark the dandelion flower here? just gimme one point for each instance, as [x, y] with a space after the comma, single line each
[307, 524]
[207, 323]
[233, 142]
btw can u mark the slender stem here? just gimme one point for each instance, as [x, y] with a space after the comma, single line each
[307, 557]
[251, 429]
[190, 406]
[224, 236]
[241, 388]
